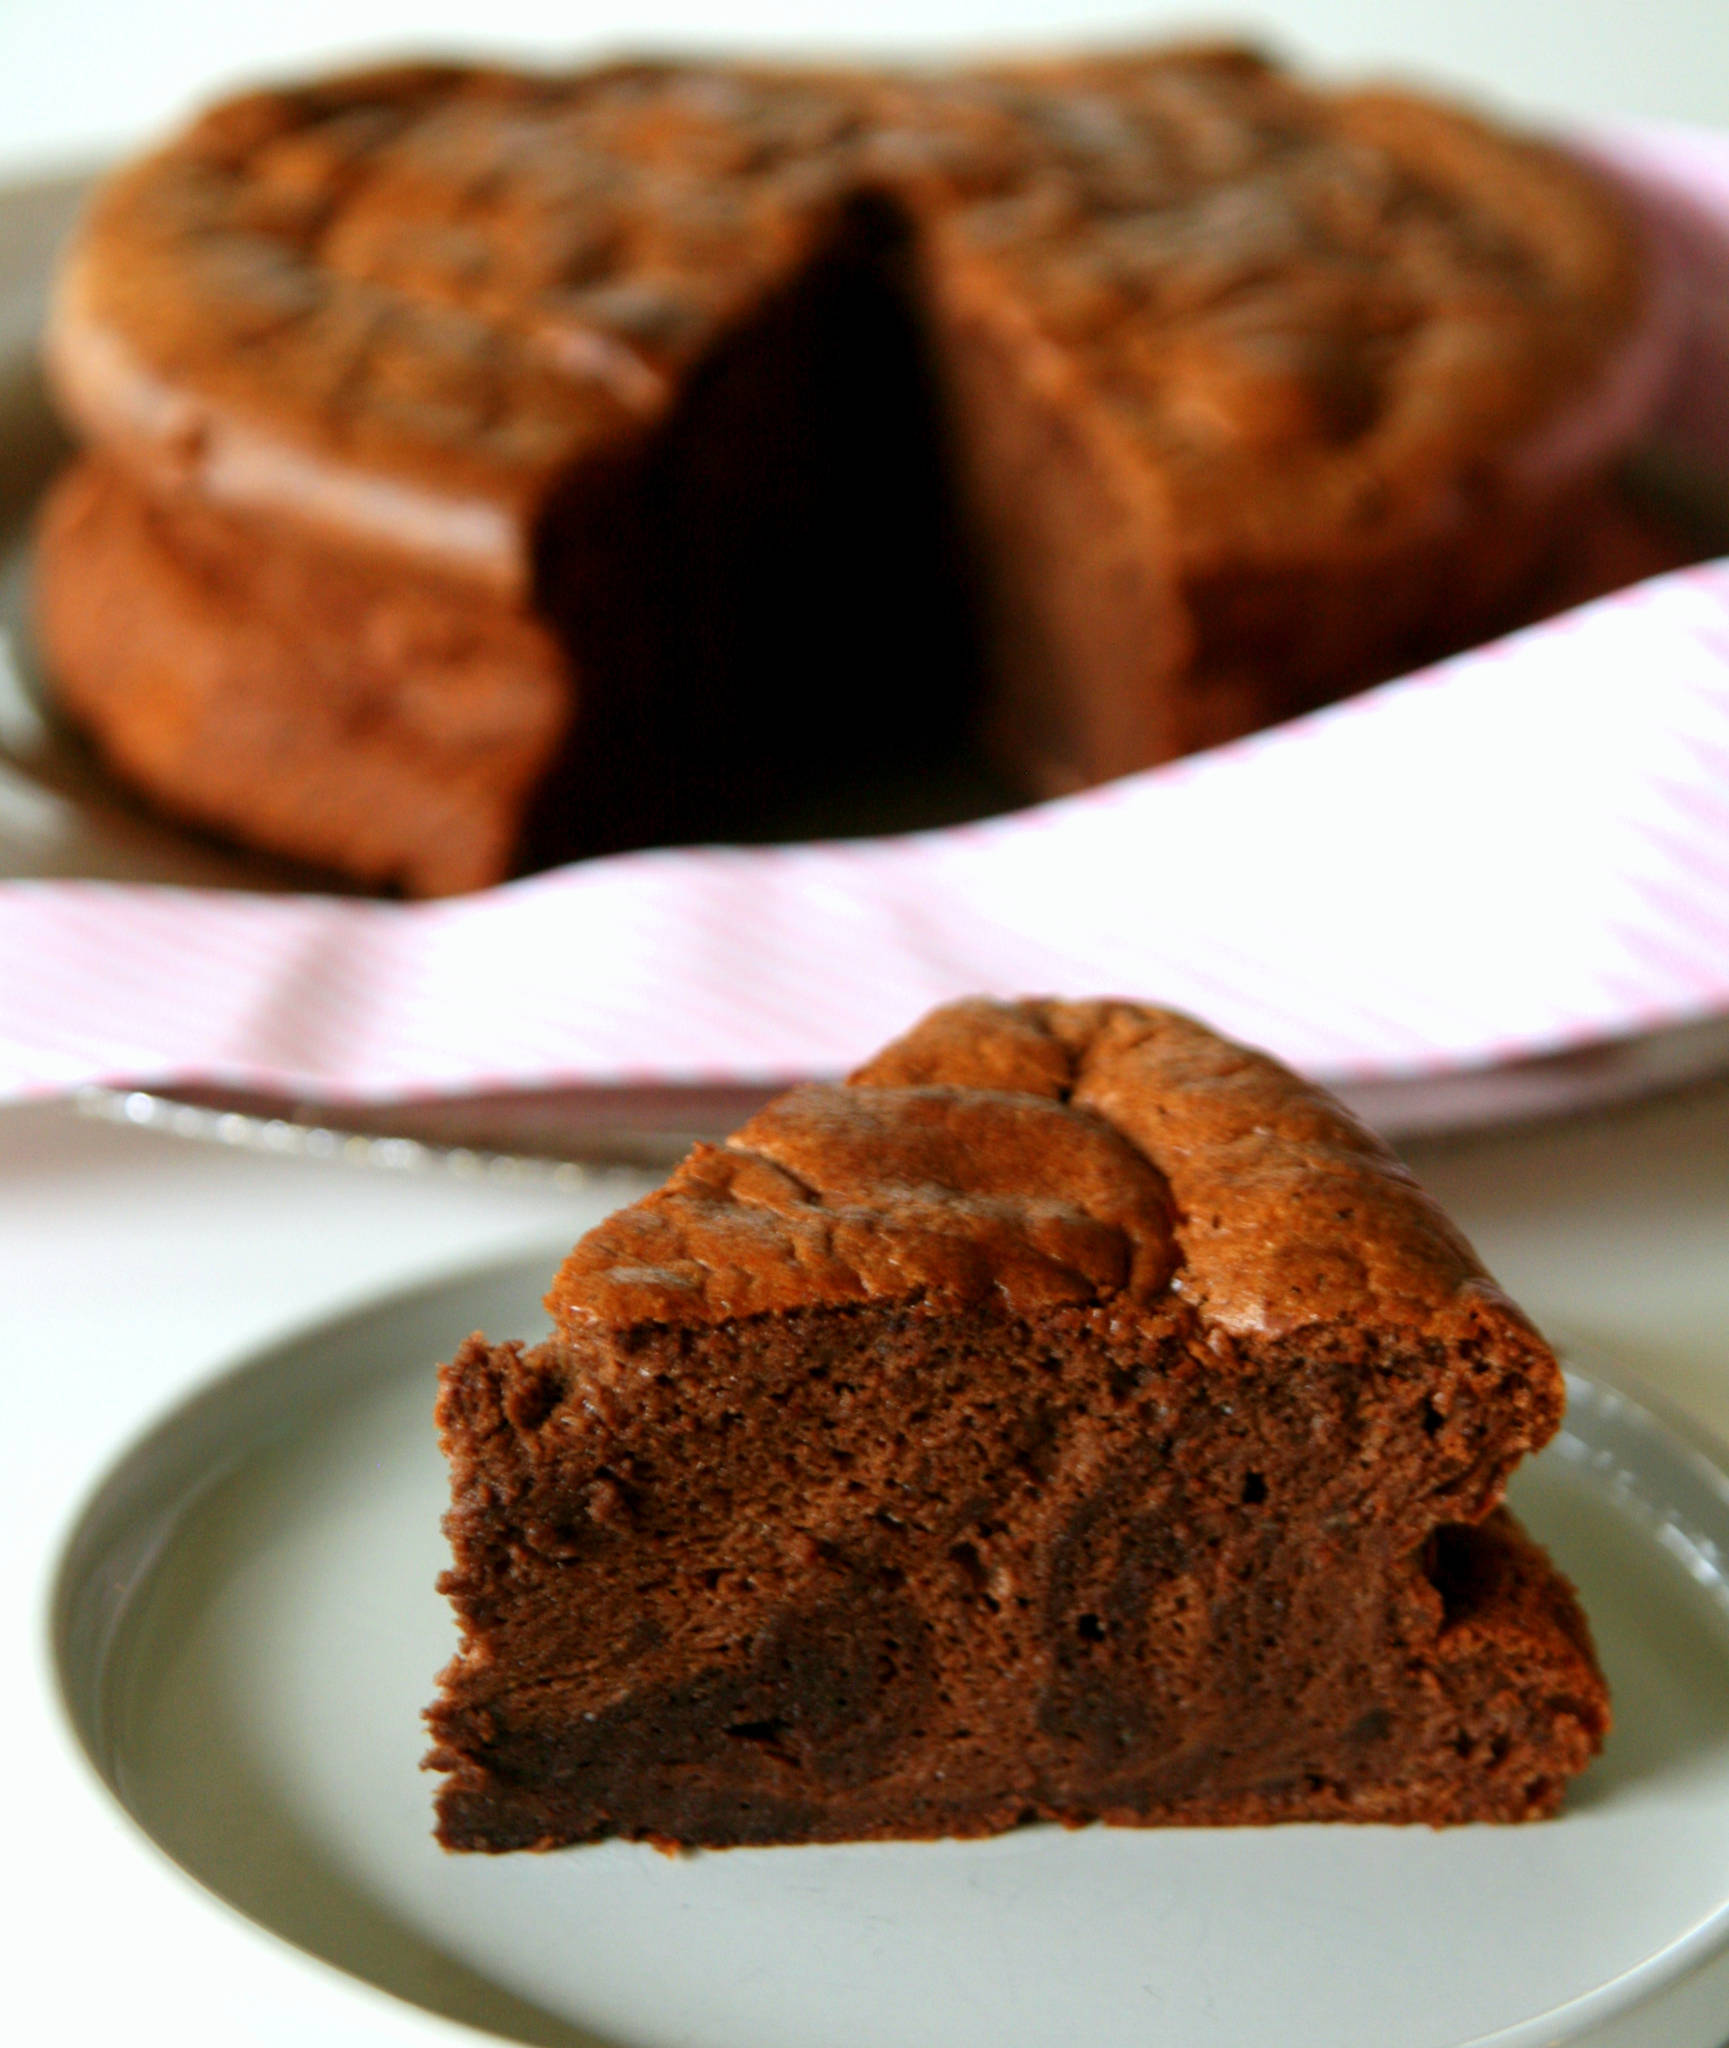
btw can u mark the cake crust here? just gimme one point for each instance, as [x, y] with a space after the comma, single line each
[1071, 1417]
[385, 728]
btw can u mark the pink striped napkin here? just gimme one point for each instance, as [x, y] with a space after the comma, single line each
[1521, 850]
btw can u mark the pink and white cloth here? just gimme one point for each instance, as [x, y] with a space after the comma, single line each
[1523, 849]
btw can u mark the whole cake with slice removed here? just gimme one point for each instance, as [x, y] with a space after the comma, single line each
[480, 466]
[1072, 1417]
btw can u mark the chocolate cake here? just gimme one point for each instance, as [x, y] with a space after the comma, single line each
[1073, 1417]
[486, 467]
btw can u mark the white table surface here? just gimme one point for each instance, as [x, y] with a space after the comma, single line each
[132, 1265]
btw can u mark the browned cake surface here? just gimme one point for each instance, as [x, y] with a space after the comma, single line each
[390, 729]
[1073, 1417]
[1238, 393]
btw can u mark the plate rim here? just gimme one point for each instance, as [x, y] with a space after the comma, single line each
[100, 1507]
[599, 1126]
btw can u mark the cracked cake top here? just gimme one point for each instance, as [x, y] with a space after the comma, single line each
[400, 305]
[1037, 1154]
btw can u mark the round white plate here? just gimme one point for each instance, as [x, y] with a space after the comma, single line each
[246, 1632]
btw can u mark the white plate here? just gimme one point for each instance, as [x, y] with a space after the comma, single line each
[246, 1632]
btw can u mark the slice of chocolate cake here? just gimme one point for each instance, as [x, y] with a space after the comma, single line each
[1073, 1417]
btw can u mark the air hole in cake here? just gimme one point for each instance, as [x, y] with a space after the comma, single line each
[766, 1734]
[1460, 1563]
[1254, 1489]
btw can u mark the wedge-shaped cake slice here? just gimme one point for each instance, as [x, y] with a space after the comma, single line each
[1073, 1417]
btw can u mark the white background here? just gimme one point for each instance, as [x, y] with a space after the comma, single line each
[79, 78]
